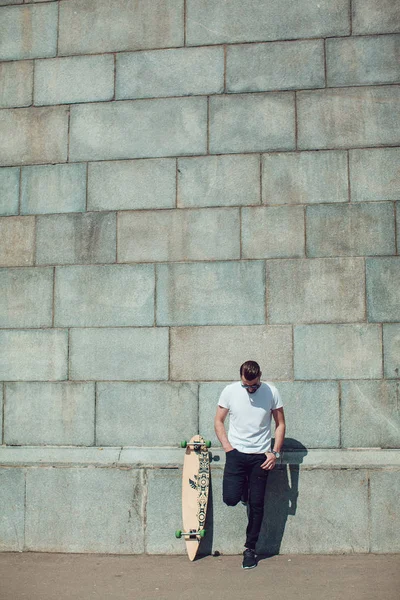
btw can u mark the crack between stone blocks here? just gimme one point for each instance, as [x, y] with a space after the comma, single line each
[144, 507]
[3, 413]
[369, 510]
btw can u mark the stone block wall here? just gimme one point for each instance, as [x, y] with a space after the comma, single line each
[187, 184]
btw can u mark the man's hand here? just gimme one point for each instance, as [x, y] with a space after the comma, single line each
[269, 464]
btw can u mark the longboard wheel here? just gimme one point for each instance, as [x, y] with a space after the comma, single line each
[178, 533]
[184, 444]
[202, 533]
[208, 444]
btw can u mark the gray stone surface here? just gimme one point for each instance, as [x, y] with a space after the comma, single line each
[316, 291]
[363, 60]
[252, 123]
[97, 26]
[304, 177]
[337, 352]
[110, 295]
[383, 289]
[391, 347]
[16, 83]
[33, 135]
[76, 238]
[217, 293]
[210, 22]
[132, 184]
[375, 174]
[119, 354]
[369, 414]
[370, 16]
[231, 180]
[17, 235]
[355, 117]
[164, 511]
[123, 409]
[84, 510]
[33, 355]
[12, 522]
[209, 394]
[397, 209]
[71, 456]
[138, 129]
[179, 235]
[28, 31]
[1, 412]
[181, 72]
[273, 232]
[216, 353]
[275, 66]
[9, 191]
[53, 189]
[49, 413]
[351, 230]
[74, 79]
[385, 520]
[28, 297]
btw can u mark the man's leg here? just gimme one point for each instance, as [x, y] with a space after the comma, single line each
[234, 478]
[257, 483]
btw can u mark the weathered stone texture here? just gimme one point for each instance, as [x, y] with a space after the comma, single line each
[273, 232]
[179, 235]
[163, 484]
[385, 519]
[138, 129]
[209, 394]
[49, 413]
[16, 83]
[391, 348]
[9, 191]
[375, 174]
[17, 239]
[28, 31]
[181, 72]
[12, 523]
[117, 295]
[315, 291]
[370, 16]
[383, 289]
[27, 297]
[76, 238]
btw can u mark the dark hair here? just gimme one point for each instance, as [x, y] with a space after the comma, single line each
[250, 370]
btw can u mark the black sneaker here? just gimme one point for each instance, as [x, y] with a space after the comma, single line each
[249, 559]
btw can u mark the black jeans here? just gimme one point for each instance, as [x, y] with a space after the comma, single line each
[243, 472]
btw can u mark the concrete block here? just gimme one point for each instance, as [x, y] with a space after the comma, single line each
[16, 84]
[85, 510]
[391, 347]
[1, 412]
[179, 235]
[74, 79]
[330, 515]
[301, 399]
[337, 352]
[304, 177]
[17, 235]
[138, 129]
[49, 413]
[210, 22]
[27, 300]
[28, 31]
[34, 355]
[132, 184]
[354, 117]
[119, 354]
[385, 519]
[193, 351]
[164, 517]
[252, 123]
[383, 289]
[101, 296]
[96, 26]
[33, 135]
[370, 16]
[232, 180]
[363, 60]
[316, 291]
[375, 174]
[397, 210]
[181, 72]
[218, 293]
[9, 191]
[76, 238]
[351, 229]
[273, 232]
[12, 501]
[122, 415]
[209, 394]
[369, 414]
[53, 189]
[275, 66]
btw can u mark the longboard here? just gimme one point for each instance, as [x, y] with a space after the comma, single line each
[195, 486]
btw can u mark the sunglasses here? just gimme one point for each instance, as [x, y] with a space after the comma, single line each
[251, 387]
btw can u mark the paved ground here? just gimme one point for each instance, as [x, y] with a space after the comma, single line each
[37, 576]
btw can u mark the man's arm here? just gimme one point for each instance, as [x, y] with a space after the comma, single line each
[220, 428]
[280, 428]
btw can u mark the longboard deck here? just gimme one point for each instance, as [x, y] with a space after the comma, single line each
[195, 485]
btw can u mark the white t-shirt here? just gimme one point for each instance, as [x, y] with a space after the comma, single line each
[250, 416]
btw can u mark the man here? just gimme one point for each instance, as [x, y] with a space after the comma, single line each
[249, 459]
